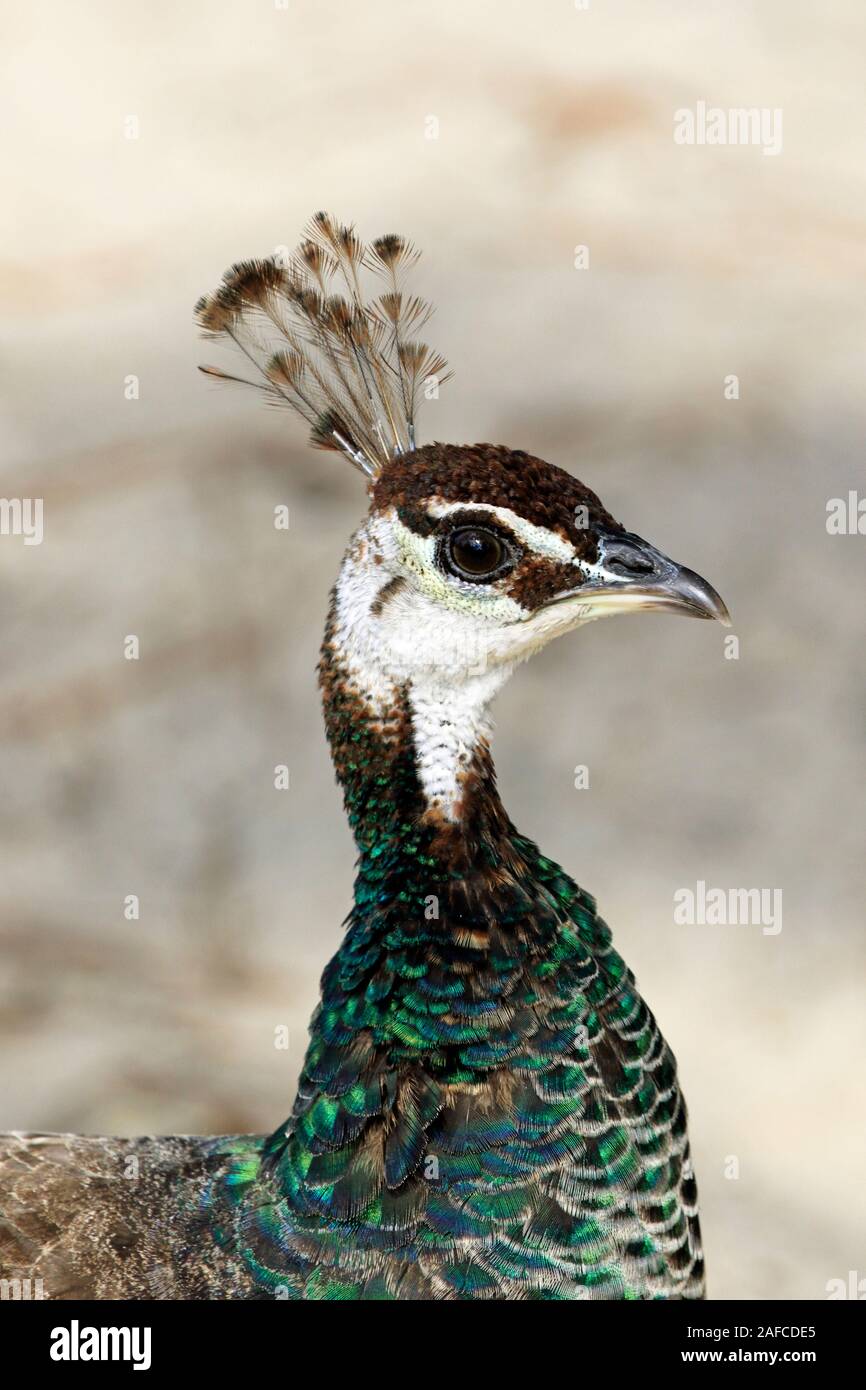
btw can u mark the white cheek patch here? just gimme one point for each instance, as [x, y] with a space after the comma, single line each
[356, 632]
[429, 642]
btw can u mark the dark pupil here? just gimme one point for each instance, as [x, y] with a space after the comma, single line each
[476, 552]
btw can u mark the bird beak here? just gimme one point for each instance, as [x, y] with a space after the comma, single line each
[631, 576]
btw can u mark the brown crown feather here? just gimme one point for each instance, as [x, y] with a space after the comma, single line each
[343, 361]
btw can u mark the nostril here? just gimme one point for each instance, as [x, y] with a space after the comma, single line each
[630, 562]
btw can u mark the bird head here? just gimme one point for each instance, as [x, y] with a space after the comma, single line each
[471, 558]
[474, 557]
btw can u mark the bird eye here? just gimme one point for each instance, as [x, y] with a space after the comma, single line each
[473, 552]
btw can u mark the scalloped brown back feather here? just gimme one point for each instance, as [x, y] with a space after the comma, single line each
[101, 1218]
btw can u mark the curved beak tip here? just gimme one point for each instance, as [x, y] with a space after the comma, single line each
[700, 597]
[724, 617]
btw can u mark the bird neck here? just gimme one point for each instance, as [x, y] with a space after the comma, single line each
[413, 760]
[453, 890]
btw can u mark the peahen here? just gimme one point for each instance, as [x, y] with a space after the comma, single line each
[487, 1109]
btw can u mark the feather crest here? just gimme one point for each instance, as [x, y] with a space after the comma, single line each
[343, 360]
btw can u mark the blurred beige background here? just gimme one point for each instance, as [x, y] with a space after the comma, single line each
[156, 777]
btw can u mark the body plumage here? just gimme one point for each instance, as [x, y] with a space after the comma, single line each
[487, 1108]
